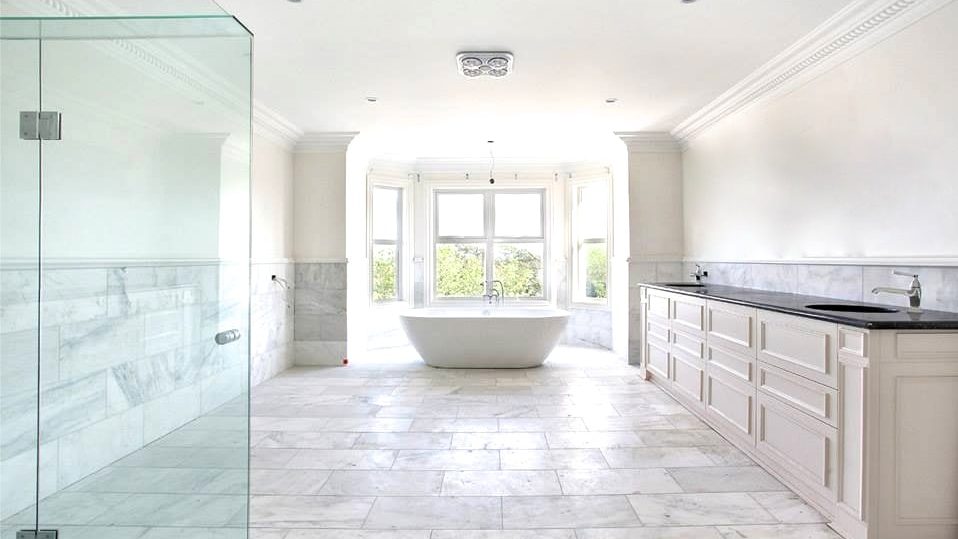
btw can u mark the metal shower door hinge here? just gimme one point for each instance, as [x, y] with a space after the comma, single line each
[37, 534]
[42, 125]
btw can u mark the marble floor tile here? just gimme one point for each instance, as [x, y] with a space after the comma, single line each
[694, 532]
[625, 481]
[628, 423]
[371, 424]
[452, 460]
[725, 479]
[288, 482]
[455, 425]
[357, 534]
[288, 423]
[553, 459]
[567, 512]
[680, 438]
[593, 440]
[436, 512]
[308, 440]
[548, 424]
[699, 509]
[499, 440]
[656, 457]
[173, 510]
[342, 459]
[500, 483]
[309, 511]
[383, 483]
[788, 508]
[404, 440]
[503, 534]
[784, 531]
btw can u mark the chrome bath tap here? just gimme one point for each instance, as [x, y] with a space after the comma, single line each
[913, 293]
[494, 295]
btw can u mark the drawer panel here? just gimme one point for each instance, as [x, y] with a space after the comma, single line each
[688, 378]
[852, 342]
[657, 359]
[688, 314]
[742, 367]
[658, 305]
[689, 345]
[806, 448]
[731, 402]
[810, 397]
[732, 327]
[658, 329]
[803, 347]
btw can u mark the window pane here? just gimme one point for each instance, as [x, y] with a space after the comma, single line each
[592, 215]
[460, 270]
[460, 214]
[519, 267]
[386, 213]
[518, 215]
[385, 273]
[593, 270]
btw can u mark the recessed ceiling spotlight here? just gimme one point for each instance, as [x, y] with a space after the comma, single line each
[683, 1]
[485, 64]
[611, 100]
[372, 99]
[295, 1]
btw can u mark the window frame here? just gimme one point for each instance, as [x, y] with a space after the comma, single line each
[399, 243]
[489, 240]
[576, 296]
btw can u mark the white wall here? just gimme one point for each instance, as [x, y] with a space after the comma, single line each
[272, 192]
[319, 207]
[861, 162]
[655, 205]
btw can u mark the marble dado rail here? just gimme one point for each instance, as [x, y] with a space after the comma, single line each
[126, 355]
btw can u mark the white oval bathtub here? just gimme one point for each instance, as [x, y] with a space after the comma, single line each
[493, 338]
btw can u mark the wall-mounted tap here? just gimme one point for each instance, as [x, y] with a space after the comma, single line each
[699, 274]
[913, 292]
[493, 295]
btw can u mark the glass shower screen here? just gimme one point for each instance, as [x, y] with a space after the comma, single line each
[124, 242]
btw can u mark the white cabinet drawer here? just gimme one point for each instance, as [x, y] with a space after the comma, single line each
[657, 359]
[688, 379]
[688, 314]
[813, 398]
[742, 367]
[730, 402]
[805, 448]
[658, 305]
[658, 329]
[687, 344]
[731, 327]
[804, 347]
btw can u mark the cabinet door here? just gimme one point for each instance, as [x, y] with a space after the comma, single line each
[801, 346]
[657, 354]
[731, 327]
[688, 314]
[688, 379]
[740, 366]
[658, 305]
[804, 447]
[730, 402]
[810, 397]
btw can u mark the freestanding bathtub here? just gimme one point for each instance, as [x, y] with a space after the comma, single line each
[493, 338]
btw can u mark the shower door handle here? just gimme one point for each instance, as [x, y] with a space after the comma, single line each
[228, 336]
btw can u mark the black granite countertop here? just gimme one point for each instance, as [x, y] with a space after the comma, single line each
[796, 304]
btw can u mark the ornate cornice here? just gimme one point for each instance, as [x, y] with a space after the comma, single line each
[649, 142]
[326, 142]
[859, 26]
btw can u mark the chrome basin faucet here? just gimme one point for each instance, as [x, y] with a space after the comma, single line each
[913, 292]
[698, 274]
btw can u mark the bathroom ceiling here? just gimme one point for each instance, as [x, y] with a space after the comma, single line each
[317, 61]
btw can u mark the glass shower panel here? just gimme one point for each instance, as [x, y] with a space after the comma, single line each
[143, 278]
[20, 357]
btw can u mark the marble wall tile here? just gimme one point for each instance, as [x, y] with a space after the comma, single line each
[319, 323]
[319, 353]
[95, 345]
[18, 489]
[841, 282]
[134, 383]
[86, 451]
[167, 412]
[589, 327]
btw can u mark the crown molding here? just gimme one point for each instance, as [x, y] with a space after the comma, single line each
[649, 141]
[325, 142]
[853, 30]
[275, 127]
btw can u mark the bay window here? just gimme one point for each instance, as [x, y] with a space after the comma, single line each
[387, 244]
[486, 235]
[590, 242]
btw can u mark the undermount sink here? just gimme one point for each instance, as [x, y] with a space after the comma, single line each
[685, 285]
[844, 308]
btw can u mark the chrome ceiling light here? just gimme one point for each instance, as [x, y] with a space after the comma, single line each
[484, 64]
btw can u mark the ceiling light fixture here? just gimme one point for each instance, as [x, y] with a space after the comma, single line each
[611, 100]
[372, 99]
[485, 64]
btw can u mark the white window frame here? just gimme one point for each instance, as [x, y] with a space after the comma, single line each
[576, 296]
[402, 243]
[489, 240]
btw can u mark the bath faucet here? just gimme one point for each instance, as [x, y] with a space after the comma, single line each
[698, 274]
[913, 292]
[493, 294]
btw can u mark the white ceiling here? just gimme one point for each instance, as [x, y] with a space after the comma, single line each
[316, 61]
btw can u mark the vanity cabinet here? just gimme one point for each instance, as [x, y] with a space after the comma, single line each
[859, 422]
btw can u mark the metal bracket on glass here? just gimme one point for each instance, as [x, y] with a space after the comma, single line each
[42, 125]
[37, 534]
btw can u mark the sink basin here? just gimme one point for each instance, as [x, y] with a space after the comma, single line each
[685, 285]
[844, 308]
